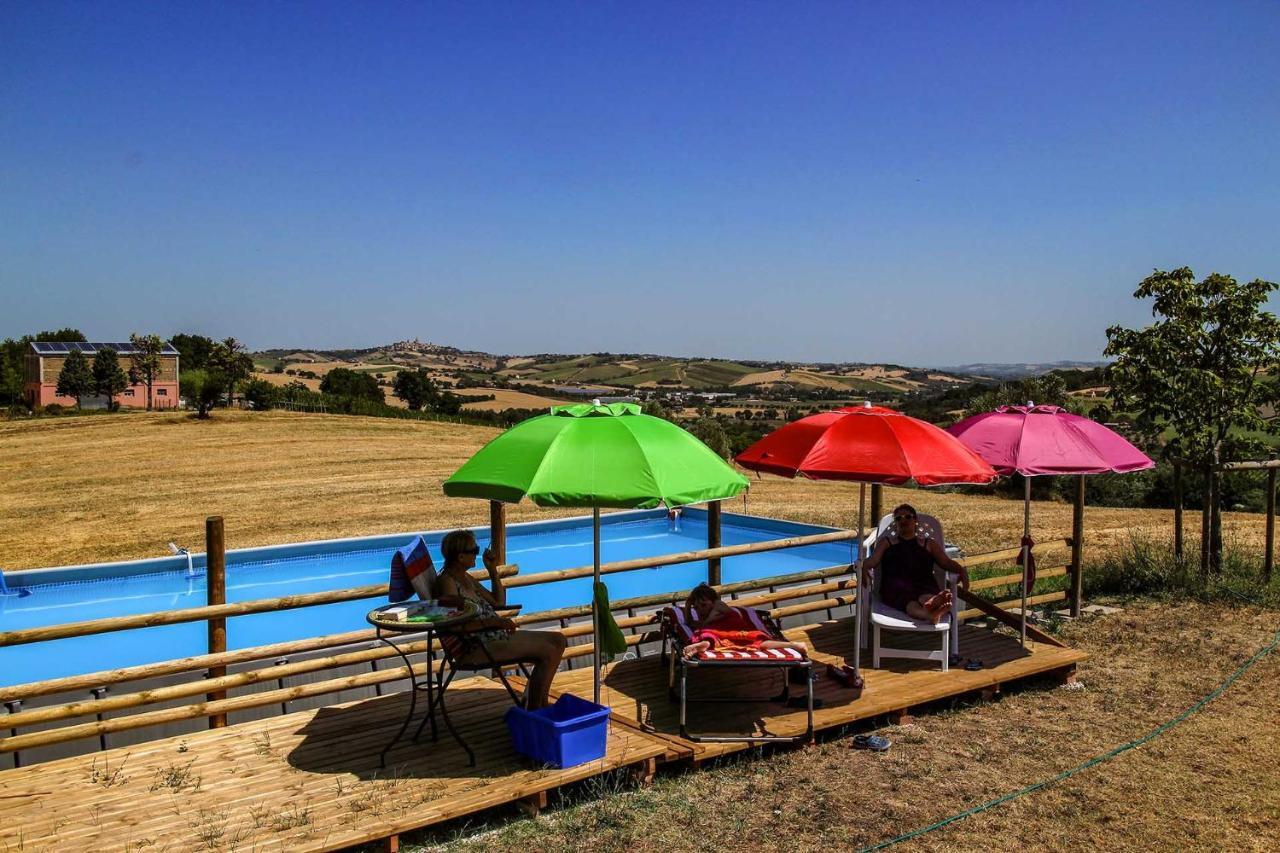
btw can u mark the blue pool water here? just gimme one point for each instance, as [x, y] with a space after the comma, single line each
[267, 573]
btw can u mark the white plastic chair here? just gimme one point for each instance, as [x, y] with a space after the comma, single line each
[884, 617]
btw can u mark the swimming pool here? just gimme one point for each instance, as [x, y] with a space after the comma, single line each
[72, 594]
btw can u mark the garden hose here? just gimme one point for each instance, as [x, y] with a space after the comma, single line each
[1098, 759]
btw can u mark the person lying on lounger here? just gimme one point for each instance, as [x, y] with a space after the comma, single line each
[908, 583]
[720, 626]
[500, 637]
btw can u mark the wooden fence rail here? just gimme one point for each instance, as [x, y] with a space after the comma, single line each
[828, 588]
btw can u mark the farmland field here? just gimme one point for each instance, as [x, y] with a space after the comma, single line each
[85, 489]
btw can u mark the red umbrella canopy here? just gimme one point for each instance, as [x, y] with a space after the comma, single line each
[868, 444]
[1041, 440]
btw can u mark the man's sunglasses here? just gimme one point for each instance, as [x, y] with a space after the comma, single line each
[475, 549]
[904, 518]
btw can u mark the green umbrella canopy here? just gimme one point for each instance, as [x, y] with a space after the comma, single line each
[596, 455]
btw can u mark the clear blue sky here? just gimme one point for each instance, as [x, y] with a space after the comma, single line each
[924, 183]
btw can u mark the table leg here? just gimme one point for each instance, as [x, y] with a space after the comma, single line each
[413, 700]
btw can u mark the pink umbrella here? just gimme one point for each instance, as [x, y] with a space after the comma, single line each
[1045, 440]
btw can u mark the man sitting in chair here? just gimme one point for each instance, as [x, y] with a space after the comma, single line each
[908, 583]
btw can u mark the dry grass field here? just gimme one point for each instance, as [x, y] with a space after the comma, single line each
[87, 489]
[504, 399]
[1209, 784]
[81, 489]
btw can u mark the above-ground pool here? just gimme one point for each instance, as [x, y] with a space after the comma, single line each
[74, 594]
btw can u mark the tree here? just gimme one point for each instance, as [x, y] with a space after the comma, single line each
[75, 379]
[414, 388]
[67, 334]
[203, 388]
[108, 377]
[1203, 370]
[712, 434]
[261, 394]
[12, 354]
[342, 382]
[229, 359]
[193, 350]
[145, 361]
[419, 391]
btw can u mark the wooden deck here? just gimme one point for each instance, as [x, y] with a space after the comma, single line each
[304, 781]
[637, 689]
[311, 781]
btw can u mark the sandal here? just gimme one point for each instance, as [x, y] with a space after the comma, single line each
[875, 743]
[973, 664]
[802, 703]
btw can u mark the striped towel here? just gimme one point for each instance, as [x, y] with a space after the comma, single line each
[412, 571]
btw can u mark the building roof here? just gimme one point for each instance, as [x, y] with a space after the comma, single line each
[65, 347]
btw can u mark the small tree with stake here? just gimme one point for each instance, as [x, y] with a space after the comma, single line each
[145, 362]
[108, 377]
[75, 379]
[1204, 369]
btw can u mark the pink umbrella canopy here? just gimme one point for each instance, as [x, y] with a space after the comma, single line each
[1047, 440]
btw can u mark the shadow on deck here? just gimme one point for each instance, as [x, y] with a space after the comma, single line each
[311, 781]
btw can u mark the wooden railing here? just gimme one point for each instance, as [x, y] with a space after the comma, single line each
[826, 588]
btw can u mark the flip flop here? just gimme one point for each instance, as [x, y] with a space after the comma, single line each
[973, 664]
[875, 743]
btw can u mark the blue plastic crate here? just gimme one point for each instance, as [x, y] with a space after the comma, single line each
[572, 731]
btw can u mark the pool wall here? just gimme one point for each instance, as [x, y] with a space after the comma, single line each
[19, 578]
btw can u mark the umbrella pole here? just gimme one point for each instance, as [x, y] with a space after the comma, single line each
[595, 615]
[860, 601]
[1026, 551]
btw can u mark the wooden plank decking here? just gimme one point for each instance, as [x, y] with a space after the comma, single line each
[637, 689]
[311, 781]
[304, 781]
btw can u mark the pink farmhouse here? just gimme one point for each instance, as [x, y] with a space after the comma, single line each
[44, 362]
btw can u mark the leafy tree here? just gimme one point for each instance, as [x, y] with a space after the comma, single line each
[419, 391]
[229, 359]
[193, 350]
[108, 377]
[145, 361]
[414, 388]
[342, 382]
[204, 388]
[67, 334]
[260, 393]
[1047, 390]
[712, 434]
[1203, 369]
[12, 354]
[75, 379]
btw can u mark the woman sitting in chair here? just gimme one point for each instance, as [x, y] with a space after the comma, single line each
[720, 626]
[490, 632]
[909, 584]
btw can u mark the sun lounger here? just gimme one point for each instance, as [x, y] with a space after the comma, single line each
[678, 627]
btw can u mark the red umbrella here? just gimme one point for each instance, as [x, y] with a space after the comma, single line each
[866, 444]
[1045, 440]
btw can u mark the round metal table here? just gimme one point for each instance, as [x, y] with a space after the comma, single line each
[436, 682]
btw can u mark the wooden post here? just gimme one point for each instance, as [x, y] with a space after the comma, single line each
[877, 503]
[498, 530]
[1177, 510]
[1204, 524]
[215, 579]
[713, 541]
[1271, 526]
[1077, 549]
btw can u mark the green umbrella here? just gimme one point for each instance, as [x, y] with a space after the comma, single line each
[598, 456]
